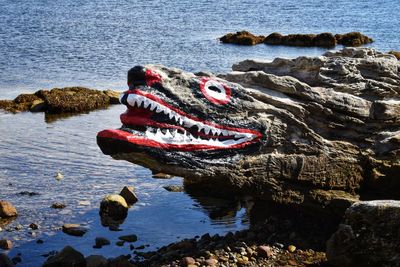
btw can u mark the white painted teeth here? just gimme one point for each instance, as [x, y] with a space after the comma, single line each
[173, 136]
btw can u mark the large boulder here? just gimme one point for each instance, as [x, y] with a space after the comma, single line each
[369, 235]
[308, 131]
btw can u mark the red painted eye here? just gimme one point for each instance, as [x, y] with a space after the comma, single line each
[215, 91]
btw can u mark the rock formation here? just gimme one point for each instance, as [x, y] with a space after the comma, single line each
[325, 39]
[369, 235]
[311, 131]
[61, 100]
[242, 38]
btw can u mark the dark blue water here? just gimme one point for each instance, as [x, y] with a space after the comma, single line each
[47, 44]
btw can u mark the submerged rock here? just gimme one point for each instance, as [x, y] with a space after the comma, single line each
[369, 235]
[62, 100]
[67, 257]
[311, 131]
[242, 38]
[7, 209]
[5, 261]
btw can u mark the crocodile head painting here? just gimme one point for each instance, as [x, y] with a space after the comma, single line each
[288, 130]
[177, 122]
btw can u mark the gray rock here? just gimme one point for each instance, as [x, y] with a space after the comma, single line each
[318, 128]
[368, 236]
[67, 257]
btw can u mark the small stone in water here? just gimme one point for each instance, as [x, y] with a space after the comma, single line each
[59, 176]
[39, 241]
[291, 248]
[120, 243]
[33, 226]
[101, 241]
[73, 229]
[57, 205]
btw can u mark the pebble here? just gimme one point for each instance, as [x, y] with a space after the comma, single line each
[291, 248]
[59, 176]
[6, 244]
[210, 262]
[186, 261]
[265, 251]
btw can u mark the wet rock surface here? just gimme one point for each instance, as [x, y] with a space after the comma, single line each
[307, 40]
[61, 100]
[368, 236]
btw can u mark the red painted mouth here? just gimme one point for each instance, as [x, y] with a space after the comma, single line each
[149, 121]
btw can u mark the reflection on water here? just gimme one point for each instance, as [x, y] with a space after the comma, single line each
[33, 151]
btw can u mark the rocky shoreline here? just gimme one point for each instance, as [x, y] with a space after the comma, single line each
[326, 39]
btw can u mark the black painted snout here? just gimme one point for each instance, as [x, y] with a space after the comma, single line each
[136, 76]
